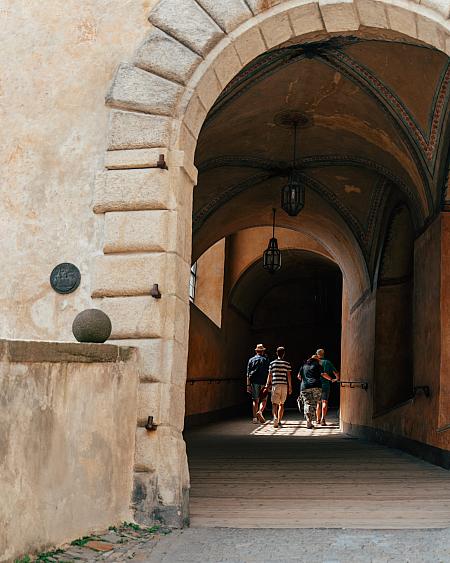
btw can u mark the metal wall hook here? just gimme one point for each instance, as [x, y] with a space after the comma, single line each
[424, 388]
[150, 424]
[154, 292]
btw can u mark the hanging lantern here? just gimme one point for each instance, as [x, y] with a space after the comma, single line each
[272, 254]
[293, 194]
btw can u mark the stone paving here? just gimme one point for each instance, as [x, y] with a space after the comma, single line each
[220, 545]
[123, 543]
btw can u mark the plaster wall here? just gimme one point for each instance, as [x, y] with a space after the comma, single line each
[58, 59]
[68, 419]
[210, 274]
[420, 419]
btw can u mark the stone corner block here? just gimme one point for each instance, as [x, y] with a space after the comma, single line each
[139, 90]
[339, 15]
[136, 231]
[188, 22]
[129, 190]
[166, 57]
[128, 130]
[229, 14]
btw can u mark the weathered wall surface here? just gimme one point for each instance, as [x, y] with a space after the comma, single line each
[421, 419]
[57, 63]
[68, 420]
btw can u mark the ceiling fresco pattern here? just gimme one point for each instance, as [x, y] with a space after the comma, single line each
[377, 132]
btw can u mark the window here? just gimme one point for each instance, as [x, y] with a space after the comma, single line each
[193, 282]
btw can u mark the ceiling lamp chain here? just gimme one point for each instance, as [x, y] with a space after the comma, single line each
[272, 254]
[293, 193]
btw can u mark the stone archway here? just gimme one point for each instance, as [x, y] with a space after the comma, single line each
[144, 202]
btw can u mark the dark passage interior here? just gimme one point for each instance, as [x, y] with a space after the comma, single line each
[298, 307]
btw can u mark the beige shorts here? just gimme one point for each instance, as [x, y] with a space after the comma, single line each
[279, 394]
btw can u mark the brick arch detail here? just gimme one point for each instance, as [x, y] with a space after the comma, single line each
[158, 104]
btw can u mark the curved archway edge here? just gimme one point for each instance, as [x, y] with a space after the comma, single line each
[158, 104]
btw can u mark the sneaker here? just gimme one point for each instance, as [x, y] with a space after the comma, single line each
[275, 422]
[323, 423]
[309, 424]
[260, 417]
[280, 424]
[255, 421]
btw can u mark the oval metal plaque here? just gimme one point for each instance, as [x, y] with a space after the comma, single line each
[65, 278]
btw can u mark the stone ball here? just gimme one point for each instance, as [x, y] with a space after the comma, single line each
[92, 325]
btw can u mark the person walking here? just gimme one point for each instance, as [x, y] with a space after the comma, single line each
[322, 405]
[257, 371]
[310, 375]
[280, 381]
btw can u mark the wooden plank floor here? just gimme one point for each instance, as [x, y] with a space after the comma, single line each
[253, 476]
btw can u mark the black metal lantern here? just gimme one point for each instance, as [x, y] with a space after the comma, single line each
[293, 194]
[272, 254]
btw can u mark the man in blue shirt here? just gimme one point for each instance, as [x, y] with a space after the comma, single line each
[257, 370]
[328, 368]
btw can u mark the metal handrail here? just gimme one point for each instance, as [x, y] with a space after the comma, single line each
[355, 384]
[214, 379]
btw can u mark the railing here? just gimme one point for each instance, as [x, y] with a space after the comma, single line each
[355, 384]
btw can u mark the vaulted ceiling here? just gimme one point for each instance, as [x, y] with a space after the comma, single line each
[377, 114]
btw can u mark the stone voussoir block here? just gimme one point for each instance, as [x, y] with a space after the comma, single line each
[372, 14]
[227, 64]
[195, 115]
[128, 130]
[428, 32]
[440, 6]
[165, 56]
[119, 275]
[276, 29]
[228, 15]
[188, 22]
[339, 15]
[139, 90]
[306, 19]
[136, 231]
[249, 44]
[128, 190]
[401, 20]
[258, 6]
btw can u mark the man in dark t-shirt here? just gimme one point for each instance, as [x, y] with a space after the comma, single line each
[327, 367]
[257, 370]
[311, 375]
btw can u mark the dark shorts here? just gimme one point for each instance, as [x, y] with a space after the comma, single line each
[325, 392]
[256, 390]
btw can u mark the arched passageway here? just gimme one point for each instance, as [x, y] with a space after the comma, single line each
[349, 279]
[208, 90]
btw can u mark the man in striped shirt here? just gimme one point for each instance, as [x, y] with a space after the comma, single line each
[280, 380]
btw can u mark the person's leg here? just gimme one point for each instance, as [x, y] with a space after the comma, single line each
[280, 411]
[318, 412]
[324, 411]
[308, 408]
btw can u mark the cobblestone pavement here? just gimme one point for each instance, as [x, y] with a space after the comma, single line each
[220, 545]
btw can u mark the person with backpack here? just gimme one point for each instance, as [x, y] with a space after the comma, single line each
[310, 375]
[257, 371]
